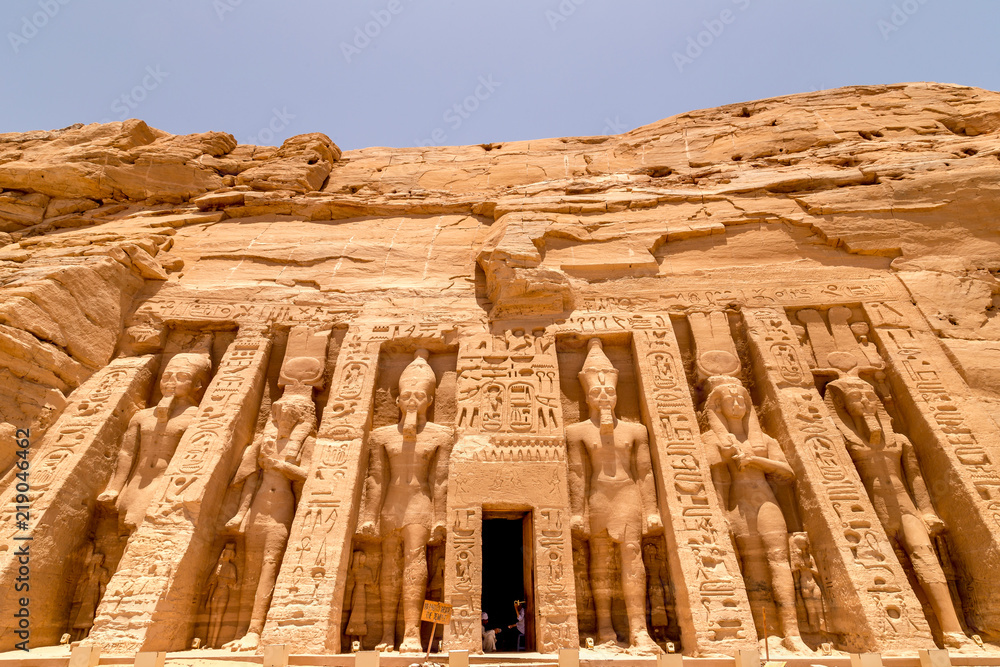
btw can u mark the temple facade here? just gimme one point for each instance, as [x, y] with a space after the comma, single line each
[664, 398]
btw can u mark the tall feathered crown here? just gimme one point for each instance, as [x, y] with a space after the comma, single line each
[419, 372]
[597, 368]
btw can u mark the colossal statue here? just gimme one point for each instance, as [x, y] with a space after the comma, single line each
[619, 495]
[748, 458]
[267, 505]
[406, 486]
[888, 466]
[152, 437]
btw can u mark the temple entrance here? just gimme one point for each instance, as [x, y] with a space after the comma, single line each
[508, 576]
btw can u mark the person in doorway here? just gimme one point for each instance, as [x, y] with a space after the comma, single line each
[519, 612]
[489, 636]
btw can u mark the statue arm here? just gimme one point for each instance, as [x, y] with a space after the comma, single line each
[440, 499]
[577, 482]
[721, 479]
[126, 459]
[775, 463]
[247, 474]
[647, 482]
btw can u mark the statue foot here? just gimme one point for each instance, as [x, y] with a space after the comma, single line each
[795, 644]
[384, 646]
[249, 642]
[643, 644]
[607, 637]
[410, 645]
[956, 640]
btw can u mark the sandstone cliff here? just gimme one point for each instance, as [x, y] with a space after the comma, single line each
[901, 177]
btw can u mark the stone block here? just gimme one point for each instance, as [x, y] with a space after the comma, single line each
[276, 655]
[150, 659]
[366, 659]
[84, 656]
[866, 660]
[934, 658]
[569, 657]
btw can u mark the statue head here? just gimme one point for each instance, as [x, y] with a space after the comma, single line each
[854, 400]
[291, 410]
[416, 391]
[599, 378]
[228, 552]
[728, 398]
[185, 376]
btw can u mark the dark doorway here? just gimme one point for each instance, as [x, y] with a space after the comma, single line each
[507, 576]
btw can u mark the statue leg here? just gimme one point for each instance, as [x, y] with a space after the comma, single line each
[774, 535]
[389, 586]
[917, 542]
[414, 585]
[253, 566]
[634, 590]
[216, 614]
[600, 580]
[275, 539]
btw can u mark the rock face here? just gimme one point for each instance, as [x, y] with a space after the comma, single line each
[737, 364]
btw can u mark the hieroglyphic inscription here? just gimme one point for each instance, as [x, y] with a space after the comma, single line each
[509, 385]
[697, 534]
[680, 297]
[66, 476]
[835, 500]
[180, 522]
[463, 572]
[264, 311]
[555, 597]
[957, 452]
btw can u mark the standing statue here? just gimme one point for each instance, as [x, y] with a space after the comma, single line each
[220, 588]
[748, 457]
[152, 437]
[406, 487]
[807, 580]
[357, 622]
[89, 591]
[888, 466]
[267, 506]
[658, 586]
[619, 495]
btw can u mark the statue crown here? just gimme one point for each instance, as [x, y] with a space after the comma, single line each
[597, 368]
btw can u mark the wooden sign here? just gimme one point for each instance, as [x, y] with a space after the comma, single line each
[436, 612]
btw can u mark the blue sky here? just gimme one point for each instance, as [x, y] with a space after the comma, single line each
[409, 72]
